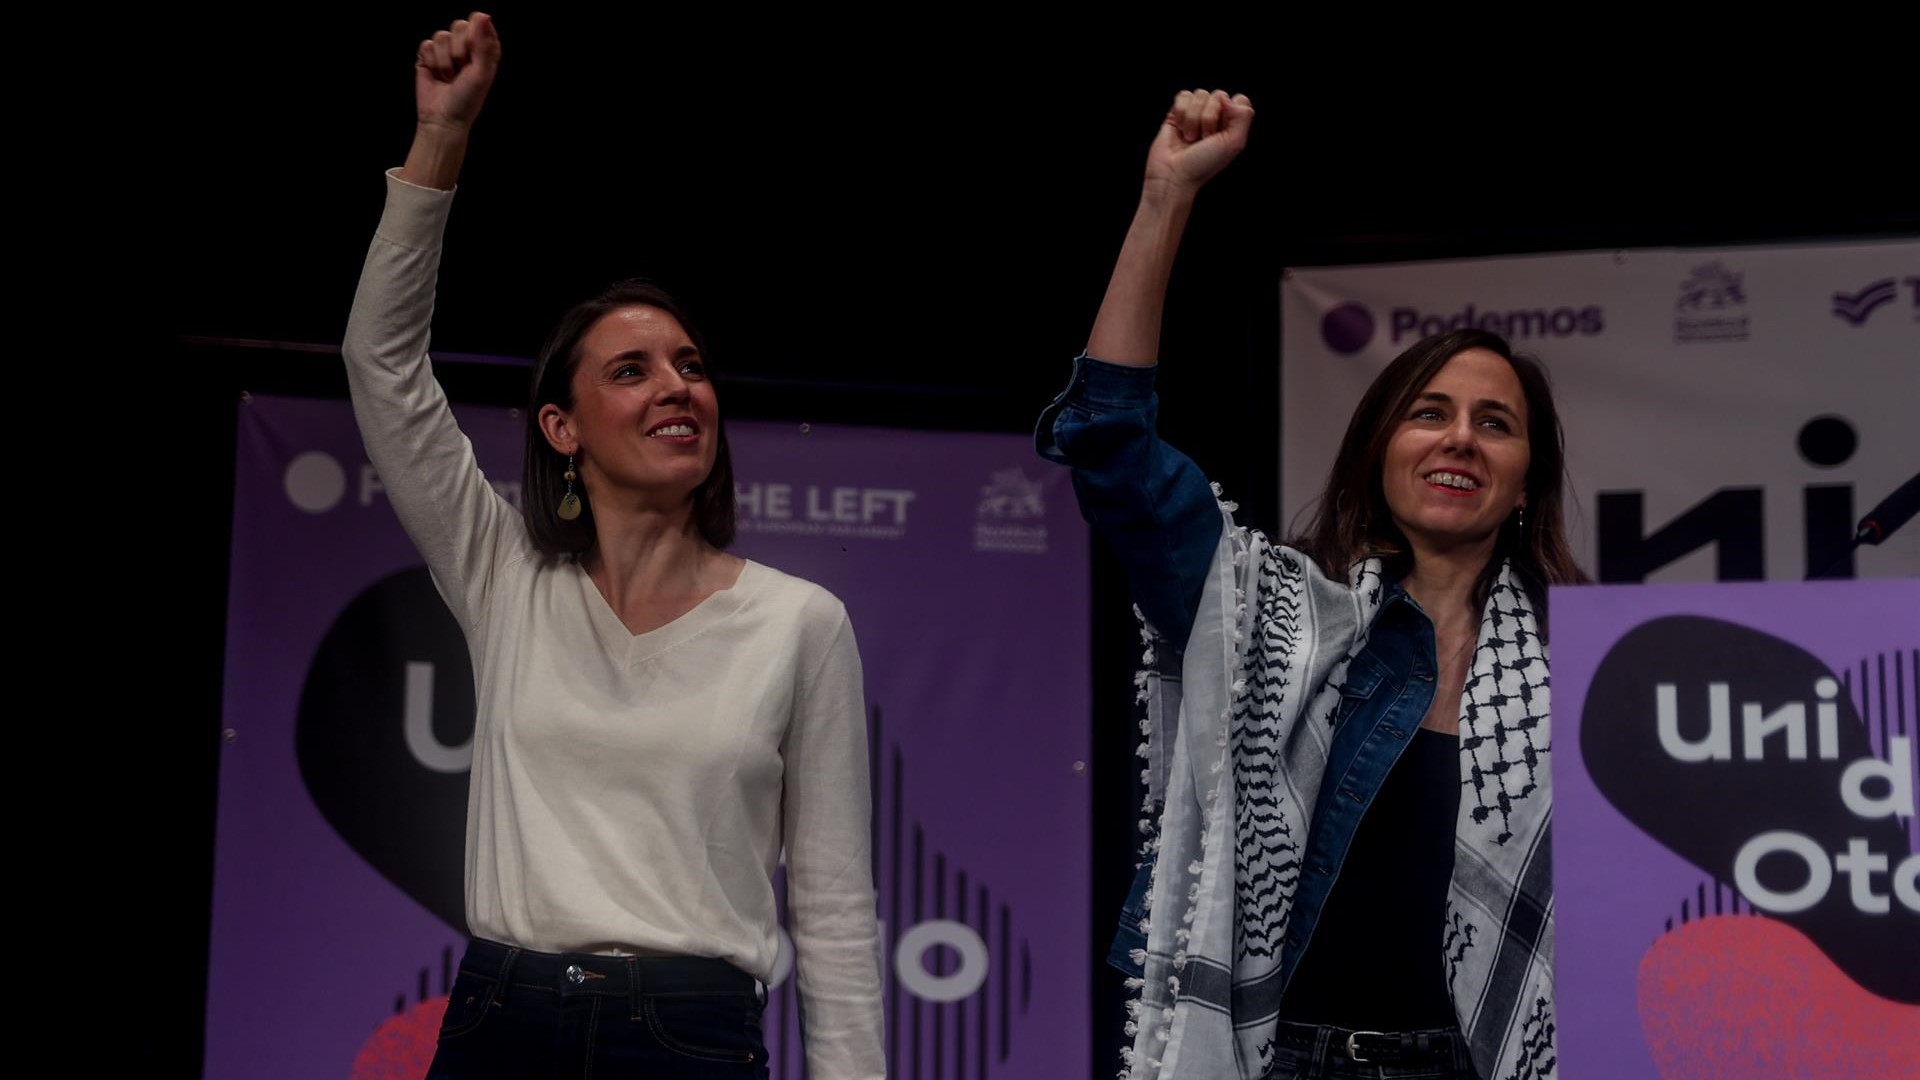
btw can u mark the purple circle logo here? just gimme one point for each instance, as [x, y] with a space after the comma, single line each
[1347, 328]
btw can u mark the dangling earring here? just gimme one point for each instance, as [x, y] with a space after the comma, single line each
[1522, 522]
[569, 503]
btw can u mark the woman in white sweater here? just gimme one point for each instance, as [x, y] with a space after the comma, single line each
[657, 718]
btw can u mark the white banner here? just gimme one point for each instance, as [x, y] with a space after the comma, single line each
[1727, 411]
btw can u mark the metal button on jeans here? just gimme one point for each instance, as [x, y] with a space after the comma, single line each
[575, 975]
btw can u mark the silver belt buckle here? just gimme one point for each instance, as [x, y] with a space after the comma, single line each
[1353, 1048]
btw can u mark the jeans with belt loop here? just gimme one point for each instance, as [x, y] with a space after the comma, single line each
[533, 1016]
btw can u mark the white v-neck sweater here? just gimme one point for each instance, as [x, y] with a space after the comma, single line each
[629, 792]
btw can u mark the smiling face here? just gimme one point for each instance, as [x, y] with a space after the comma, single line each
[1456, 464]
[645, 419]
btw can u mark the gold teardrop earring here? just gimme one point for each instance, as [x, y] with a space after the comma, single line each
[569, 503]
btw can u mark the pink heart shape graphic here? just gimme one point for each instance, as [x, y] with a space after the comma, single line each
[1749, 997]
[403, 1046]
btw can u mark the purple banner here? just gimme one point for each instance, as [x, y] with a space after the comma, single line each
[1734, 836]
[337, 892]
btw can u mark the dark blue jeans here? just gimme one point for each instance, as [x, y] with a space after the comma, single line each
[543, 1016]
[1312, 1052]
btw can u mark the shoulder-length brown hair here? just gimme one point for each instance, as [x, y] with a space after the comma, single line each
[1352, 522]
[544, 480]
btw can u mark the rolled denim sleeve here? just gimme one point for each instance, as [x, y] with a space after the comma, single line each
[1150, 501]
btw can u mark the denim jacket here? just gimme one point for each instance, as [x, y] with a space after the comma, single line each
[1158, 513]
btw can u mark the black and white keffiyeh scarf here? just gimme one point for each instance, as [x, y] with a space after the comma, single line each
[1235, 751]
